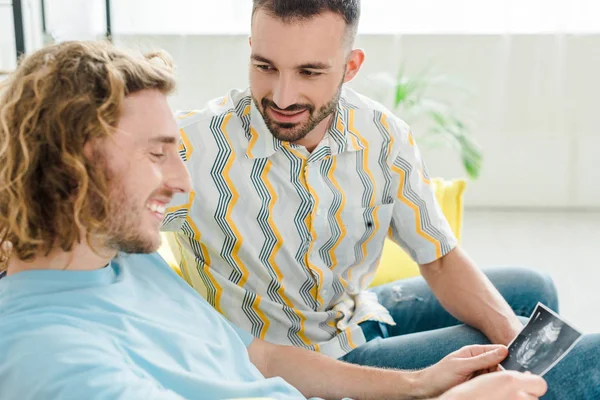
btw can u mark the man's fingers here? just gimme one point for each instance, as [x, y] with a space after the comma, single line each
[525, 396]
[478, 349]
[532, 384]
[488, 360]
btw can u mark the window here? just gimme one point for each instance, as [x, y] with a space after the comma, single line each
[193, 17]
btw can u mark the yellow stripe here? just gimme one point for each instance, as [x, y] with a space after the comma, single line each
[218, 288]
[411, 140]
[368, 275]
[339, 124]
[366, 242]
[332, 323]
[273, 255]
[238, 236]
[352, 128]
[206, 269]
[365, 167]
[224, 101]
[234, 198]
[183, 266]
[262, 316]
[186, 206]
[313, 233]
[296, 153]
[422, 174]
[338, 214]
[247, 110]
[386, 125]
[308, 222]
[186, 115]
[349, 336]
[185, 143]
[253, 140]
[367, 317]
[415, 209]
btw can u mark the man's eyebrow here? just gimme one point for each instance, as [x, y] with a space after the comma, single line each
[258, 58]
[308, 65]
[315, 65]
[164, 139]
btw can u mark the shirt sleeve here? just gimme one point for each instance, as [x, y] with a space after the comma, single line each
[72, 364]
[418, 223]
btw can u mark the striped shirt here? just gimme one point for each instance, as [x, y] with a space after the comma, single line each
[284, 242]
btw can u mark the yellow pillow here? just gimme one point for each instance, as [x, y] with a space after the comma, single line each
[168, 239]
[395, 263]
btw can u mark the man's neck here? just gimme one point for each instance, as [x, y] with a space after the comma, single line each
[314, 137]
[81, 258]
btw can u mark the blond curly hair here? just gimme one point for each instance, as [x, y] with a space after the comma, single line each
[59, 99]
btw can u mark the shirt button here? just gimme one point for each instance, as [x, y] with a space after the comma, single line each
[318, 212]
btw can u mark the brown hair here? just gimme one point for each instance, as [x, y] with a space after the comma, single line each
[300, 10]
[59, 99]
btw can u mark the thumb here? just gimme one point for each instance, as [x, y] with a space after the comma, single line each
[486, 360]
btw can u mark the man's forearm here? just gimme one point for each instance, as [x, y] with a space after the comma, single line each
[316, 375]
[469, 296]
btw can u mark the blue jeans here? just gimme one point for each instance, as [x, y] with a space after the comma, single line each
[425, 332]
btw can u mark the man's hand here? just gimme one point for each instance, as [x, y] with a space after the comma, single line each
[460, 366]
[508, 385]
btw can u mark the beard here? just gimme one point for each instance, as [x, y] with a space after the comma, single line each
[292, 132]
[124, 216]
[125, 222]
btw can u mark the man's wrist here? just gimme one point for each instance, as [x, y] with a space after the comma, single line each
[420, 384]
[510, 330]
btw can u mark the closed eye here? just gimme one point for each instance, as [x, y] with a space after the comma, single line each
[264, 67]
[158, 156]
[308, 73]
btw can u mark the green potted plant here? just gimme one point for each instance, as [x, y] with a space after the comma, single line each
[412, 101]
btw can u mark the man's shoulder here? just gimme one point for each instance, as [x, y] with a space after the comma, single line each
[45, 357]
[235, 103]
[372, 111]
[360, 102]
[46, 333]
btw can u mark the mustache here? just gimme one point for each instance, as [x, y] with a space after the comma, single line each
[163, 194]
[294, 107]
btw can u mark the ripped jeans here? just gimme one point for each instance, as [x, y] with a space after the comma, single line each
[425, 332]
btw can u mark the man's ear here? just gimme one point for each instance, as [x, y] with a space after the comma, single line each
[355, 61]
[88, 150]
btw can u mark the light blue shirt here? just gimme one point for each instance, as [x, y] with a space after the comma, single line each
[131, 330]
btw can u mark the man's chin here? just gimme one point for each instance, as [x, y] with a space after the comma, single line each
[138, 245]
[293, 133]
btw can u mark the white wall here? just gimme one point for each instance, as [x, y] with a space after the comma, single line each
[32, 22]
[535, 106]
[7, 39]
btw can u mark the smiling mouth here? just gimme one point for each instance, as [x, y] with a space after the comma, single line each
[287, 116]
[157, 208]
